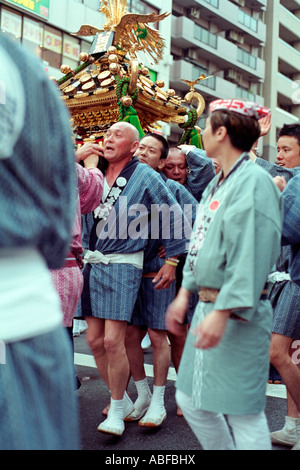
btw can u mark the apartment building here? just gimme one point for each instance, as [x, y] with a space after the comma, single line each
[223, 39]
[249, 48]
[281, 88]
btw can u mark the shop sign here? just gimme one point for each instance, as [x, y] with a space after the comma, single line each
[39, 7]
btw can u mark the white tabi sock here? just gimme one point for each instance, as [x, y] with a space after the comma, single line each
[142, 402]
[144, 394]
[156, 412]
[116, 409]
[114, 423]
[158, 399]
[128, 406]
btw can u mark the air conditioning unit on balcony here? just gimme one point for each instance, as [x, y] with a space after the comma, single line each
[192, 54]
[236, 37]
[233, 76]
[195, 12]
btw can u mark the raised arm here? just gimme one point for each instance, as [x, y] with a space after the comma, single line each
[201, 170]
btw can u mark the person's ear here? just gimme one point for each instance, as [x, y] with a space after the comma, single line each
[135, 146]
[161, 164]
[221, 133]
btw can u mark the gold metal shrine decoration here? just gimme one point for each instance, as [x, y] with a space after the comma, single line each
[112, 84]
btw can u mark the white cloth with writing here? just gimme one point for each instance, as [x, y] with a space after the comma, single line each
[12, 105]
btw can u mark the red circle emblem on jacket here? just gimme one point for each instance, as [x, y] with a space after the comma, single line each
[214, 205]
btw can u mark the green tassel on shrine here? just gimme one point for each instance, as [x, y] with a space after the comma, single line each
[131, 116]
[143, 33]
[195, 139]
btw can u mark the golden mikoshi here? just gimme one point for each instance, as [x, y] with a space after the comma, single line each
[112, 84]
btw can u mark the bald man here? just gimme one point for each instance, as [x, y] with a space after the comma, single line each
[115, 236]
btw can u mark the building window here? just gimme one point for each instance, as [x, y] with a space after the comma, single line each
[71, 51]
[143, 8]
[210, 82]
[94, 4]
[52, 46]
[213, 3]
[244, 94]
[205, 36]
[248, 21]
[32, 38]
[11, 23]
[85, 46]
[247, 59]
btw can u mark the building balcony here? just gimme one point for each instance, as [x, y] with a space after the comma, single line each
[259, 4]
[286, 88]
[292, 5]
[283, 117]
[289, 56]
[212, 88]
[289, 26]
[227, 16]
[216, 49]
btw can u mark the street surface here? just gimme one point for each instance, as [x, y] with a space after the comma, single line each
[173, 437]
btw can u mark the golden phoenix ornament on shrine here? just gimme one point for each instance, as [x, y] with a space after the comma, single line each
[112, 84]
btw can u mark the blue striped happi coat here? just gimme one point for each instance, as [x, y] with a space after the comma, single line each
[291, 225]
[151, 304]
[201, 172]
[284, 295]
[110, 291]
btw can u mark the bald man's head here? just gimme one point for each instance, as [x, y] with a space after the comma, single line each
[121, 142]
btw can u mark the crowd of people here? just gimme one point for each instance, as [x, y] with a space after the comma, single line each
[196, 248]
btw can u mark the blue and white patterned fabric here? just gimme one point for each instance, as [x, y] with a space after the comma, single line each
[39, 183]
[291, 225]
[151, 305]
[285, 294]
[188, 204]
[276, 170]
[38, 199]
[201, 172]
[110, 291]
